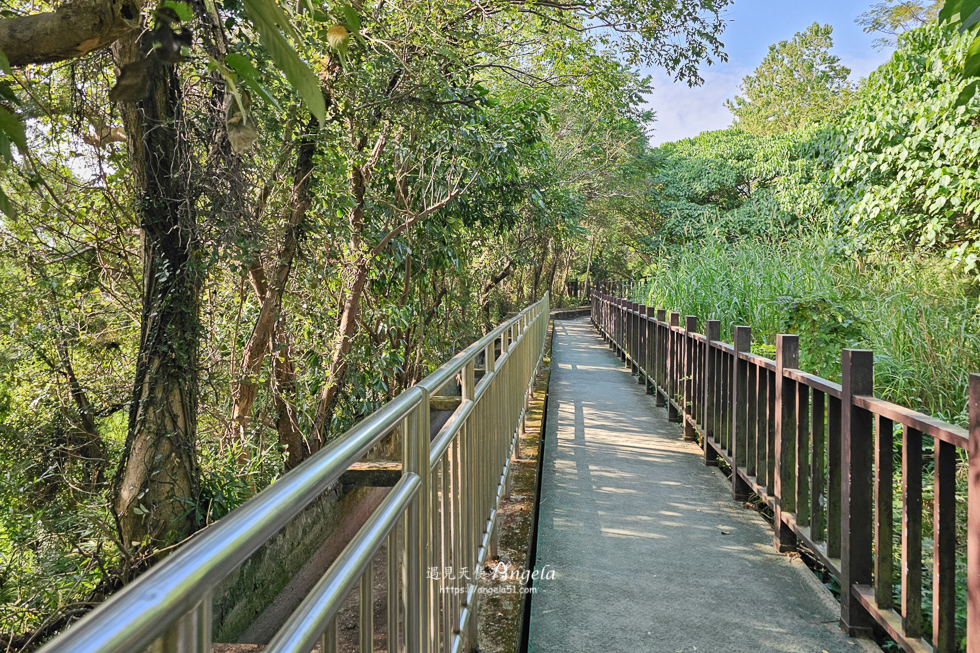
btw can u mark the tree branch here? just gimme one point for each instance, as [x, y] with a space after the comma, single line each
[77, 28]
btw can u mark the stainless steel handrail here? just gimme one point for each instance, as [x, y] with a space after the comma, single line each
[303, 628]
[170, 604]
[142, 611]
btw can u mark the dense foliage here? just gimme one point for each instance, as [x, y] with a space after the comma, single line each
[798, 83]
[898, 167]
[735, 184]
[907, 153]
[244, 226]
[918, 316]
[228, 239]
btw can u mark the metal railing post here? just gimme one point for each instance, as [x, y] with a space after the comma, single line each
[415, 459]
[973, 521]
[189, 634]
[366, 608]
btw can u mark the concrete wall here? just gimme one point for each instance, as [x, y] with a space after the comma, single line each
[571, 313]
[245, 604]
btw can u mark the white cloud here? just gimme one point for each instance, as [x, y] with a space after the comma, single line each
[683, 112]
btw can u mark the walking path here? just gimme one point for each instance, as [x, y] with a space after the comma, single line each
[649, 551]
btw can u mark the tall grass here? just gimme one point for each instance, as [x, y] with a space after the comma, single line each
[919, 318]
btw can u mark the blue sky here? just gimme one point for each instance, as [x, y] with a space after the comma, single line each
[754, 25]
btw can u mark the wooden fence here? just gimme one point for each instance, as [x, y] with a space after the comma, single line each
[822, 457]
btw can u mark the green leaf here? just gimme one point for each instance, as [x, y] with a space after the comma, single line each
[972, 20]
[5, 64]
[6, 206]
[270, 13]
[265, 16]
[353, 20]
[8, 94]
[13, 127]
[972, 64]
[967, 94]
[182, 9]
[950, 9]
[244, 68]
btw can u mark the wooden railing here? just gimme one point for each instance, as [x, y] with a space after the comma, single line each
[822, 457]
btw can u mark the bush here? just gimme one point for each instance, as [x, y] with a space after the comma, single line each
[918, 316]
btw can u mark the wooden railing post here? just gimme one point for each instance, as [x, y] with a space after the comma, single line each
[614, 307]
[650, 350]
[624, 338]
[973, 522]
[610, 324]
[787, 357]
[611, 320]
[712, 334]
[641, 311]
[673, 369]
[944, 546]
[628, 333]
[638, 320]
[614, 323]
[857, 463]
[660, 375]
[634, 338]
[622, 326]
[642, 344]
[742, 338]
[690, 328]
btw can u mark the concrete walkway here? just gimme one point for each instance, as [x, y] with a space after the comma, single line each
[650, 553]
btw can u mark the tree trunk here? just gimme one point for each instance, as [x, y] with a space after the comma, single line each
[355, 274]
[284, 394]
[158, 477]
[588, 266]
[564, 274]
[74, 29]
[92, 448]
[538, 268]
[270, 294]
[551, 275]
[490, 284]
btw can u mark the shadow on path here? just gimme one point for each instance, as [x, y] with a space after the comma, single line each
[649, 551]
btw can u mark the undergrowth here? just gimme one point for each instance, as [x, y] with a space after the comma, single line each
[919, 317]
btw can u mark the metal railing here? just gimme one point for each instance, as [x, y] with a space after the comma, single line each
[441, 514]
[821, 455]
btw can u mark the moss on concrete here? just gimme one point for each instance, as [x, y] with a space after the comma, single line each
[249, 590]
[502, 605]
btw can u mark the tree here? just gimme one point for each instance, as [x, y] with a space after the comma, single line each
[907, 152]
[965, 15]
[895, 17]
[216, 293]
[798, 83]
